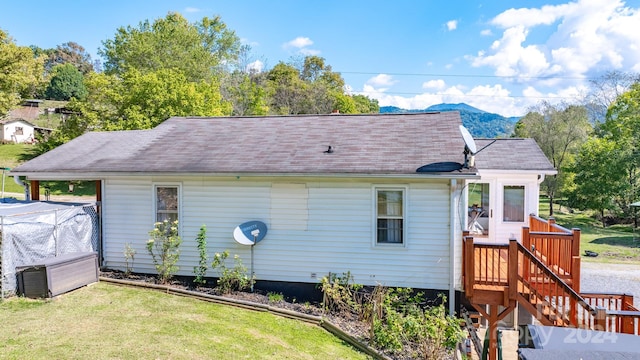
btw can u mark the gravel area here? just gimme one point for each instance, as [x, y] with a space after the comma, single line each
[611, 278]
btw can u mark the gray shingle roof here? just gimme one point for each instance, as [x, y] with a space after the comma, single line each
[511, 154]
[362, 144]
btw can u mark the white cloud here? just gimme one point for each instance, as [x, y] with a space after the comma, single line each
[486, 32]
[491, 98]
[452, 25]
[434, 84]
[309, 52]
[381, 80]
[255, 67]
[299, 42]
[588, 38]
[190, 9]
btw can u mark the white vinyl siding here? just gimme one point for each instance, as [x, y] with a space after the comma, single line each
[336, 238]
[289, 206]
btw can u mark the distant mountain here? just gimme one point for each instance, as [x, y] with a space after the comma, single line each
[480, 123]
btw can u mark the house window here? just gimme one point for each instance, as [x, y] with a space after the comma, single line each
[166, 203]
[390, 216]
[19, 130]
[513, 204]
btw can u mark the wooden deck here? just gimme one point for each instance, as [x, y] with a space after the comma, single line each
[542, 274]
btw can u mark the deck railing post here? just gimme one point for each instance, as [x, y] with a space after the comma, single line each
[575, 260]
[512, 279]
[469, 266]
[600, 322]
[526, 243]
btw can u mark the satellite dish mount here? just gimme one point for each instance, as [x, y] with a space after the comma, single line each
[470, 148]
[250, 233]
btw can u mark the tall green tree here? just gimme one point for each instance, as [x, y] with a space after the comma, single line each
[560, 131]
[198, 50]
[21, 74]
[598, 176]
[623, 127]
[66, 82]
[310, 86]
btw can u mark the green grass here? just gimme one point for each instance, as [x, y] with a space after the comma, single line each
[614, 244]
[104, 321]
[11, 155]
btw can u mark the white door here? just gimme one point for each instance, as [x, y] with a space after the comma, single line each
[480, 215]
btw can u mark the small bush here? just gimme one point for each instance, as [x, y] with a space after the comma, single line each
[164, 247]
[230, 279]
[201, 270]
[340, 294]
[275, 297]
[129, 254]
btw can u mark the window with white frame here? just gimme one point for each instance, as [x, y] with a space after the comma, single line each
[513, 207]
[166, 197]
[390, 216]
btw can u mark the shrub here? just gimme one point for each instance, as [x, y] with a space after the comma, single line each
[275, 297]
[340, 294]
[164, 247]
[230, 279]
[129, 254]
[428, 331]
[201, 270]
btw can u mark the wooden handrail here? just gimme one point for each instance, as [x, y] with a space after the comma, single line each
[552, 286]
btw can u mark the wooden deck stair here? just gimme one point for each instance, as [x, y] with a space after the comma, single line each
[542, 274]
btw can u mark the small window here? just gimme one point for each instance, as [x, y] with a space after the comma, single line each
[166, 203]
[513, 204]
[389, 216]
[19, 130]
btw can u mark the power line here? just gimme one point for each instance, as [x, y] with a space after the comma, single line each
[470, 95]
[466, 75]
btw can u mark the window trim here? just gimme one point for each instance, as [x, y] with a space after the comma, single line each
[155, 201]
[374, 215]
[524, 203]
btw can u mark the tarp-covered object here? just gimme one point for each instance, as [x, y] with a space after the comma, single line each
[30, 232]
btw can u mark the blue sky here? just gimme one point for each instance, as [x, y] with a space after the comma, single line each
[499, 56]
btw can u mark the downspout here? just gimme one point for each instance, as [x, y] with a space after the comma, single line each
[17, 180]
[452, 242]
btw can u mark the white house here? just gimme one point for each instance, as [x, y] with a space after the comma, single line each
[17, 131]
[382, 196]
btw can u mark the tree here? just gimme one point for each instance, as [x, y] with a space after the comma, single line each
[559, 130]
[21, 74]
[598, 174]
[366, 105]
[245, 93]
[605, 90]
[66, 83]
[70, 53]
[622, 126]
[198, 50]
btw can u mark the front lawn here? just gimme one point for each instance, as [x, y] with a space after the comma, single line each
[104, 321]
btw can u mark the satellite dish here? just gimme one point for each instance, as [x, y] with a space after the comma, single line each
[250, 233]
[468, 141]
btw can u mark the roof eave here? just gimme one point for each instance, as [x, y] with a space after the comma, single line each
[103, 175]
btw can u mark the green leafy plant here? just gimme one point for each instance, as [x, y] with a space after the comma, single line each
[129, 254]
[403, 322]
[230, 279]
[164, 247]
[275, 297]
[201, 270]
[340, 294]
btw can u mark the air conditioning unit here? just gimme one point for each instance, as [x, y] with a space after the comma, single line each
[54, 276]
